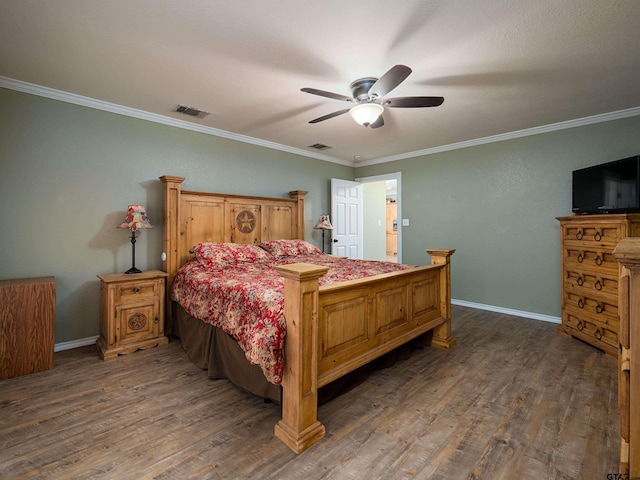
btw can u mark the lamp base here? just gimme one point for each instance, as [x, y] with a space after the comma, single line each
[133, 270]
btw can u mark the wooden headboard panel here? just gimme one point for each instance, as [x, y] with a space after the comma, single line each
[193, 217]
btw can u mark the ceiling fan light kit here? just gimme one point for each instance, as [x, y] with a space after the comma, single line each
[366, 113]
[367, 94]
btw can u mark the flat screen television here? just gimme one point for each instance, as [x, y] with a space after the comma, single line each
[608, 188]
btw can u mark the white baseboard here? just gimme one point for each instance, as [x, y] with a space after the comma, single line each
[82, 342]
[507, 311]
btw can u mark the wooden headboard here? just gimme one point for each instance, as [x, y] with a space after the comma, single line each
[192, 217]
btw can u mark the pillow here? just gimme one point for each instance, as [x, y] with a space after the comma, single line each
[290, 248]
[218, 255]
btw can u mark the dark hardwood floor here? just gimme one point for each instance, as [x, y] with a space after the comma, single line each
[513, 400]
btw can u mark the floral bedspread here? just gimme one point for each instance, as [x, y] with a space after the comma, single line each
[246, 300]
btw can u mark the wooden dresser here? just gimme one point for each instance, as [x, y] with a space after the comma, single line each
[590, 276]
[628, 254]
[27, 325]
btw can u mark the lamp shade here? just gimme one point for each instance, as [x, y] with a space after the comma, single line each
[136, 218]
[323, 223]
[366, 113]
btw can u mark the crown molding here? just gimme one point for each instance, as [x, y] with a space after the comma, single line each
[579, 122]
[54, 94]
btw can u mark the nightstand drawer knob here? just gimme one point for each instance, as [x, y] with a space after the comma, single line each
[598, 285]
[135, 289]
[599, 308]
[580, 326]
[598, 260]
[597, 237]
[581, 303]
[579, 235]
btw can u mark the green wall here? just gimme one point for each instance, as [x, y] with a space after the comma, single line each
[496, 205]
[67, 174]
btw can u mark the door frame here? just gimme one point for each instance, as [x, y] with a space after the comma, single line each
[391, 176]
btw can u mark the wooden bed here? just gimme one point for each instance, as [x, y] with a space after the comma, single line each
[383, 312]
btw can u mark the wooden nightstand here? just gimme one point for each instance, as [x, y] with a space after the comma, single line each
[131, 312]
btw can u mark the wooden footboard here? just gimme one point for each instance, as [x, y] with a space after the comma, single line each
[337, 328]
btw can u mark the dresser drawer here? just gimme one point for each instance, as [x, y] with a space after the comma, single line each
[587, 257]
[594, 306]
[592, 330]
[595, 233]
[592, 284]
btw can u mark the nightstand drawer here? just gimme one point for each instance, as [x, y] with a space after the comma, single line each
[132, 292]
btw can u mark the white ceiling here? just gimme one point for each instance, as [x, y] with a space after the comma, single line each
[502, 65]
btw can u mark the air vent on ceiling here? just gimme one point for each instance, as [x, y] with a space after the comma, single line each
[194, 112]
[319, 146]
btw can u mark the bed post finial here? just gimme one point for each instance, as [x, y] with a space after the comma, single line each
[170, 236]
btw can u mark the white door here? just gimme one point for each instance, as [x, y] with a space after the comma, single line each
[347, 218]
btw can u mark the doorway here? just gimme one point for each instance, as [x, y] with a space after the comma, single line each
[382, 214]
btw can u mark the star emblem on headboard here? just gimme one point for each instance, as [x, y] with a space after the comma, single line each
[246, 221]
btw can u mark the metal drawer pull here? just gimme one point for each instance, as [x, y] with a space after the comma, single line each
[580, 326]
[598, 334]
[580, 303]
[580, 258]
[598, 285]
[579, 281]
[135, 290]
[579, 235]
[598, 260]
[597, 237]
[599, 308]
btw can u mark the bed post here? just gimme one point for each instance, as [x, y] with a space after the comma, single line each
[299, 196]
[442, 334]
[627, 253]
[299, 427]
[170, 237]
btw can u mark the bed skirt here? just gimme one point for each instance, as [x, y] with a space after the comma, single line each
[219, 354]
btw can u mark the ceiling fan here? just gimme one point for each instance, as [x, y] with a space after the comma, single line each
[367, 94]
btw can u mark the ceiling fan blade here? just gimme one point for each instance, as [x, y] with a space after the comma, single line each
[378, 123]
[413, 102]
[322, 93]
[330, 115]
[390, 80]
